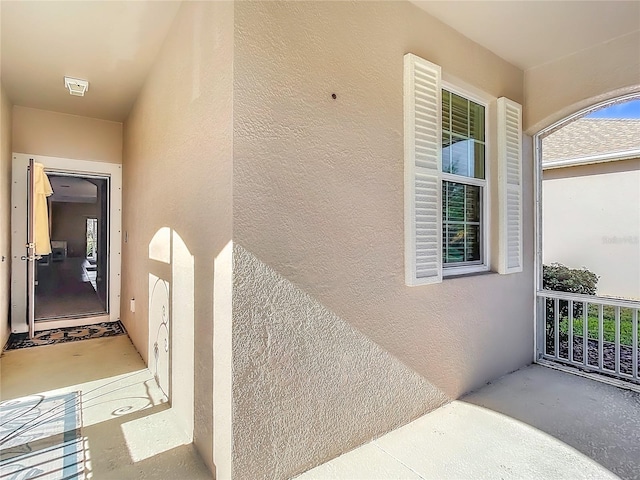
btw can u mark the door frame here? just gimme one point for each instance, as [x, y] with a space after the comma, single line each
[19, 226]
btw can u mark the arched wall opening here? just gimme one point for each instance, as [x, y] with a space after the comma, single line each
[595, 105]
[603, 73]
[591, 201]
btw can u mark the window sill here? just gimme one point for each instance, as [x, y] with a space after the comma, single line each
[451, 276]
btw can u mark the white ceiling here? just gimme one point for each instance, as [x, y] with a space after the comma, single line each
[531, 33]
[73, 189]
[112, 44]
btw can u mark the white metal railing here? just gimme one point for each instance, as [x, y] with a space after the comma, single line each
[592, 333]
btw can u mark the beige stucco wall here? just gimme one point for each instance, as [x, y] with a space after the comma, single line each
[562, 87]
[5, 215]
[591, 218]
[307, 384]
[40, 132]
[69, 223]
[318, 215]
[177, 183]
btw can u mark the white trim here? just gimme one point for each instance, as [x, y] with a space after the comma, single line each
[464, 270]
[42, 325]
[586, 111]
[476, 182]
[592, 159]
[538, 330]
[590, 375]
[18, 227]
[464, 89]
[592, 299]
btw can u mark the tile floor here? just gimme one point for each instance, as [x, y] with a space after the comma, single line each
[128, 427]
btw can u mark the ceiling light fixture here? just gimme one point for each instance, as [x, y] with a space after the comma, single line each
[76, 86]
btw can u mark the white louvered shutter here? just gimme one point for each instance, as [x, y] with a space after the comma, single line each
[422, 167]
[510, 185]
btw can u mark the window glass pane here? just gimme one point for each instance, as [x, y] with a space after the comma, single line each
[453, 206]
[454, 240]
[476, 121]
[472, 244]
[446, 112]
[446, 152]
[478, 161]
[459, 115]
[472, 203]
[461, 223]
[459, 157]
[463, 134]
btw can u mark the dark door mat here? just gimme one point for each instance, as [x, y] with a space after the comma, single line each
[63, 335]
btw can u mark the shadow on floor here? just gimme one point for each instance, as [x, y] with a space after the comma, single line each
[129, 430]
[533, 423]
[598, 420]
[143, 444]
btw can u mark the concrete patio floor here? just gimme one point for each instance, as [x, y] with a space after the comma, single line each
[128, 427]
[534, 423]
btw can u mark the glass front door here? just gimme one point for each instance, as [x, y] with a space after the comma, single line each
[72, 280]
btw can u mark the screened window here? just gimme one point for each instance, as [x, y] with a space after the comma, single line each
[463, 181]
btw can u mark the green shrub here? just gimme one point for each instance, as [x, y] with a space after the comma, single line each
[560, 278]
[564, 279]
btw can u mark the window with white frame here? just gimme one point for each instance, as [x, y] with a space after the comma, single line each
[464, 184]
[446, 179]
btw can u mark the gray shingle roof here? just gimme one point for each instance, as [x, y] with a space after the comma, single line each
[591, 136]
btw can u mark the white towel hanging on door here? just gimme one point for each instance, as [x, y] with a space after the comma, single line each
[42, 191]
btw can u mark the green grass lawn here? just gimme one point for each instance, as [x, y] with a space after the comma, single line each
[609, 325]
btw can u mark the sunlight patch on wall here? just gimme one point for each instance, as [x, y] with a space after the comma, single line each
[171, 321]
[160, 246]
[222, 363]
[159, 332]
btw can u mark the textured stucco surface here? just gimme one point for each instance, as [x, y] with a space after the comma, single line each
[5, 215]
[318, 184]
[591, 218]
[557, 89]
[318, 198]
[54, 134]
[307, 386]
[177, 176]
